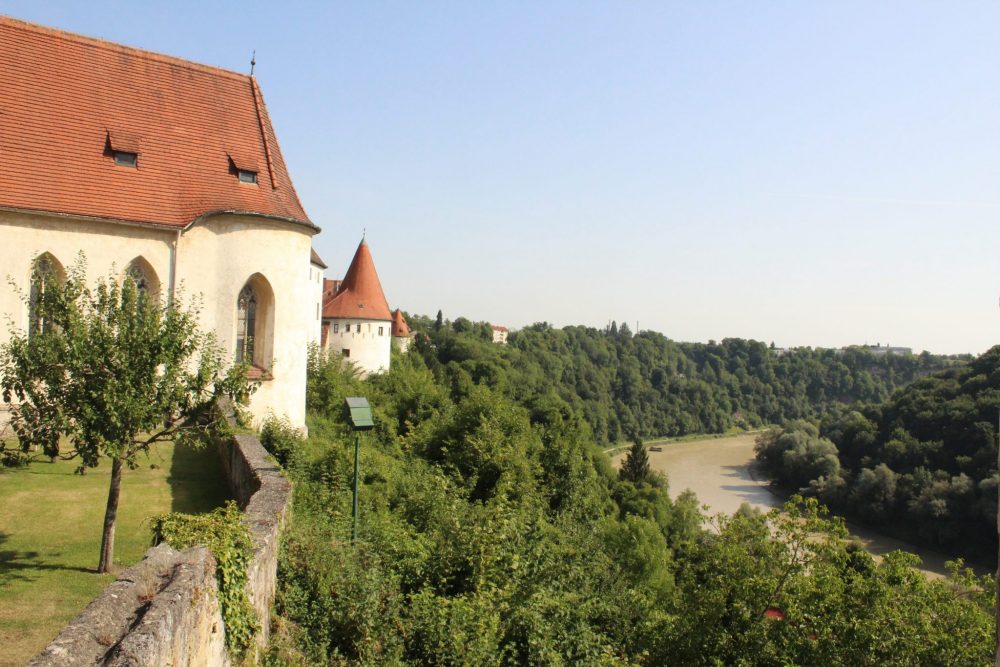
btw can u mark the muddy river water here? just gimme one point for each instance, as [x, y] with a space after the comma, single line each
[718, 471]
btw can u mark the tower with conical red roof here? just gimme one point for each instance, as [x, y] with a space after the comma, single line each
[357, 322]
[401, 334]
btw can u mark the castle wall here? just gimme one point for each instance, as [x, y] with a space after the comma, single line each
[105, 246]
[216, 258]
[367, 342]
[402, 342]
[213, 260]
[316, 311]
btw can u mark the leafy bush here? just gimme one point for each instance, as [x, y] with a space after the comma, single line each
[281, 440]
[13, 458]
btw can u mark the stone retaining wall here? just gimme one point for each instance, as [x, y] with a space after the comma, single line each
[165, 609]
[264, 494]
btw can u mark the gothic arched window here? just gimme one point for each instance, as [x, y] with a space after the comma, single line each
[46, 272]
[246, 324]
[254, 334]
[144, 277]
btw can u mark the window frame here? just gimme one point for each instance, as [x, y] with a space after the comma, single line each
[246, 176]
[246, 325]
[125, 159]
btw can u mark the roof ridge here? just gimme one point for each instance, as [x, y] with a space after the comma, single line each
[120, 48]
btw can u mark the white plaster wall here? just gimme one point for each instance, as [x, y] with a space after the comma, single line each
[369, 350]
[214, 260]
[402, 342]
[316, 279]
[216, 257]
[23, 237]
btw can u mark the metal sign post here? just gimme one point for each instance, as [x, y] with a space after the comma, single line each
[360, 415]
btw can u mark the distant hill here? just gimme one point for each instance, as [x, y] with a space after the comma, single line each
[648, 385]
[923, 463]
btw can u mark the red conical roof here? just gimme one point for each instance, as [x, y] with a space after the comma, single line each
[399, 326]
[360, 294]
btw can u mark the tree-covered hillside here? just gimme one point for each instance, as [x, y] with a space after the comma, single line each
[493, 531]
[647, 385]
[923, 463]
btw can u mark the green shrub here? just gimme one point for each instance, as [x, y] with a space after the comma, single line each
[281, 440]
[14, 458]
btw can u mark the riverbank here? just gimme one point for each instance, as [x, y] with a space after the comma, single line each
[718, 471]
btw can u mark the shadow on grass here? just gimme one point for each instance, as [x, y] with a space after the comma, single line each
[17, 565]
[197, 483]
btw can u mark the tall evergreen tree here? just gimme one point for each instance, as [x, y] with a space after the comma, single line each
[636, 468]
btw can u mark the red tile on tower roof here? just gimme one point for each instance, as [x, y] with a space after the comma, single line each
[68, 101]
[360, 294]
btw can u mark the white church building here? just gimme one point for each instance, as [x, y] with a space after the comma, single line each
[167, 169]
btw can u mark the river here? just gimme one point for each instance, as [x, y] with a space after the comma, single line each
[718, 471]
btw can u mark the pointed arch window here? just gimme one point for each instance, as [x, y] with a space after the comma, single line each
[144, 277]
[246, 324]
[254, 331]
[46, 273]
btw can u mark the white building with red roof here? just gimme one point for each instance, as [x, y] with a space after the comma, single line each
[357, 322]
[165, 169]
[401, 334]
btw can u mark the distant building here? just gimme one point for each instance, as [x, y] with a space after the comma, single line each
[499, 334]
[357, 323]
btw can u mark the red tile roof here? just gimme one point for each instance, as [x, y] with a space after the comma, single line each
[360, 294]
[68, 101]
[399, 326]
[316, 259]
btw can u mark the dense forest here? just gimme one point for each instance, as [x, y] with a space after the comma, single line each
[494, 531]
[922, 464]
[647, 385]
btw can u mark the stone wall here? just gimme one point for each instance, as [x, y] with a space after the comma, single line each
[165, 609]
[264, 494]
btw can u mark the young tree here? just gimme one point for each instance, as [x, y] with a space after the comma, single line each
[113, 373]
[636, 468]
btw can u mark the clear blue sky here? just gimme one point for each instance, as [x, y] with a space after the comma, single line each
[808, 173]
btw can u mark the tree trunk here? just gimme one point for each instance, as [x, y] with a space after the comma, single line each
[110, 515]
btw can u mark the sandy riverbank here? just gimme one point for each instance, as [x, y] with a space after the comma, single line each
[718, 471]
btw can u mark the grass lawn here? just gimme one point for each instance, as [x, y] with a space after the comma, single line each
[50, 534]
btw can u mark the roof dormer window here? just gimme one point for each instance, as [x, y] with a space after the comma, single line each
[126, 159]
[123, 147]
[244, 166]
